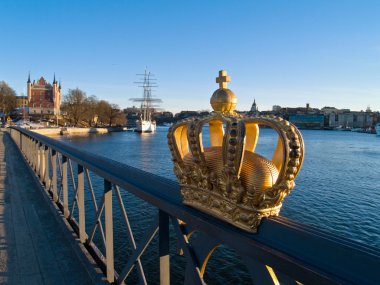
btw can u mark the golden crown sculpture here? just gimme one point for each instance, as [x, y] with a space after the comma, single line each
[228, 179]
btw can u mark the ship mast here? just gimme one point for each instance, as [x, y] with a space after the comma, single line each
[147, 82]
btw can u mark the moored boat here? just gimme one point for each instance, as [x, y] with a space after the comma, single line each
[377, 129]
[145, 124]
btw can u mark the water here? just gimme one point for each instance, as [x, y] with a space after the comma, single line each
[338, 187]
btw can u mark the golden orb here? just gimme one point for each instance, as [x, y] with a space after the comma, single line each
[223, 99]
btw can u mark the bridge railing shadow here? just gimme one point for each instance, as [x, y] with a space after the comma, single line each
[282, 252]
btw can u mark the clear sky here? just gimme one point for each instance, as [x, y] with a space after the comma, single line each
[287, 53]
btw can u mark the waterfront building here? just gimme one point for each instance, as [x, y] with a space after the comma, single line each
[163, 117]
[307, 121]
[22, 104]
[44, 98]
[21, 101]
[351, 119]
[328, 110]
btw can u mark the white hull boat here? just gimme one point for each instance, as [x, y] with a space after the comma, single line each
[143, 126]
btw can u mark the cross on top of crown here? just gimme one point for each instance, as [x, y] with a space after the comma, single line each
[223, 79]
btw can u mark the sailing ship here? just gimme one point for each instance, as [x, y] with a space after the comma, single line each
[145, 124]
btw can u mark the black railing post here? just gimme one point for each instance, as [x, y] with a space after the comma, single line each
[164, 248]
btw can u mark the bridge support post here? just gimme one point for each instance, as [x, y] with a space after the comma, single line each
[109, 230]
[163, 236]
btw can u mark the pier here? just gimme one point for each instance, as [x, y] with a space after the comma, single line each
[47, 237]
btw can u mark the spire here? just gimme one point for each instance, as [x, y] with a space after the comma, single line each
[54, 81]
[29, 78]
[254, 109]
[59, 85]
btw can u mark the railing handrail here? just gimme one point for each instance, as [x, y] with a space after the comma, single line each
[302, 252]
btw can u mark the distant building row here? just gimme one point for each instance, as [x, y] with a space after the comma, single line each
[326, 118]
[302, 117]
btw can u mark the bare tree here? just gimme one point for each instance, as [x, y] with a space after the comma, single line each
[74, 105]
[102, 110]
[91, 110]
[116, 116]
[7, 98]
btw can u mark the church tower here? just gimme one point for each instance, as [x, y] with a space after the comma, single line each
[29, 88]
[56, 96]
[254, 110]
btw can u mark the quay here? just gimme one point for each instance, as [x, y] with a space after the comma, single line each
[36, 247]
[61, 248]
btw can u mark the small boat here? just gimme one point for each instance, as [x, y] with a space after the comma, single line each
[358, 130]
[145, 124]
[377, 129]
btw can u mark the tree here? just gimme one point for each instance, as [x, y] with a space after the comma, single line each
[7, 98]
[116, 116]
[102, 110]
[74, 105]
[91, 115]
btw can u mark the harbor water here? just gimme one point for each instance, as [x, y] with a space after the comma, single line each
[337, 189]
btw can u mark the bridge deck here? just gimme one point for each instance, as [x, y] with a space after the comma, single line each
[34, 245]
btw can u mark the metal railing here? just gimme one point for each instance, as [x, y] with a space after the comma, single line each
[282, 252]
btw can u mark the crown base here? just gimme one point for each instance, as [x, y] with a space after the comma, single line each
[243, 217]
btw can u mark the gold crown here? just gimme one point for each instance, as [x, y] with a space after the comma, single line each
[228, 179]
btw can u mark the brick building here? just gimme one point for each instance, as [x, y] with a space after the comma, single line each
[44, 98]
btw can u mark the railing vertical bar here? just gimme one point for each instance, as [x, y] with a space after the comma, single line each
[54, 178]
[46, 172]
[20, 145]
[73, 204]
[37, 157]
[72, 175]
[59, 170]
[42, 163]
[64, 187]
[80, 202]
[164, 236]
[109, 230]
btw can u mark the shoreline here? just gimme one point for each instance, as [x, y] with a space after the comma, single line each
[76, 131]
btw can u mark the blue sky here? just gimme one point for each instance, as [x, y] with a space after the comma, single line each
[287, 53]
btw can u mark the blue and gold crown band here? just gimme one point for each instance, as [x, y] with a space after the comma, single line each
[228, 179]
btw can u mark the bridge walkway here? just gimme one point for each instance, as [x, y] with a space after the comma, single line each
[35, 246]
